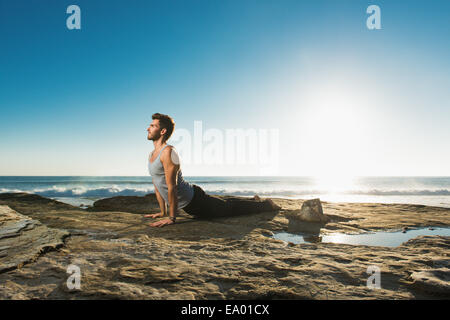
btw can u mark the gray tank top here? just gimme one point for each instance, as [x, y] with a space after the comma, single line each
[185, 191]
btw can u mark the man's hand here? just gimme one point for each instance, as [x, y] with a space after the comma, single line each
[154, 215]
[162, 223]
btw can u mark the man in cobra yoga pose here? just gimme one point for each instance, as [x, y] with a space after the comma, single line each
[172, 189]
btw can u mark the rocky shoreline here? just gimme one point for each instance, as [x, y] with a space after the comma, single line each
[121, 257]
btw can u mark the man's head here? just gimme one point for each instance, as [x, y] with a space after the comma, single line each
[162, 126]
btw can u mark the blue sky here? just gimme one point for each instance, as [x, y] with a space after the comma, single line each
[344, 98]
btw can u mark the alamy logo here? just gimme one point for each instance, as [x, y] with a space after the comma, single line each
[74, 20]
[255, 147]
[374, 21]
[374, 281]
[74, 280]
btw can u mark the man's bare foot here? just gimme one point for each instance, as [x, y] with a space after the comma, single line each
[273, 204]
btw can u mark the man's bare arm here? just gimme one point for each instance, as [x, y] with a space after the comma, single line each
[162, 203]
[162, 206]
[171, 171]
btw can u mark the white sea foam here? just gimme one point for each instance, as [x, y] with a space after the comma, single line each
[232, 190]
[428, 191]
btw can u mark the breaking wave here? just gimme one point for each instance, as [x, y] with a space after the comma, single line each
[115, 190]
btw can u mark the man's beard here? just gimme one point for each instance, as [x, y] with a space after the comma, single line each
[153, 138]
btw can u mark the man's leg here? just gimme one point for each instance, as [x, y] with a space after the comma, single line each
[208, 206]
[234, 206]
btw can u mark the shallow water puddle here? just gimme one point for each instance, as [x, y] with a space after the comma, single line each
[384, 238]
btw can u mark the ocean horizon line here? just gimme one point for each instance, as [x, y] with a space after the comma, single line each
[244, 176]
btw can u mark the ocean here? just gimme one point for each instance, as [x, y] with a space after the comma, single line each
[85, 190]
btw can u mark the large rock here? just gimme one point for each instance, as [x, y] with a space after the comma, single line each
[23, 239]
[311, 211]
[133, 204]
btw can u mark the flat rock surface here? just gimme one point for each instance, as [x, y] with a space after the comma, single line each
[23, 239]
[120, 256]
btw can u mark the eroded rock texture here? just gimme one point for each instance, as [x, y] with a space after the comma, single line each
[120, 256]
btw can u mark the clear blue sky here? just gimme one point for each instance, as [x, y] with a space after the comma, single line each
[365, 102]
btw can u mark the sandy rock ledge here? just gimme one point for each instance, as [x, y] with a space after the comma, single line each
[22, 239]
[121, 257]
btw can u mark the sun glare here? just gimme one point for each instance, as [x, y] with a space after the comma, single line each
[334, 128]
[334, 183]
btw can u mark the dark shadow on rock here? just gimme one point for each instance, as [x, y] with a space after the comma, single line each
[149, 204]
[191, 228]
[309, 230]
[298, 226]
[309, 220]
[122, 216]
[336, 218]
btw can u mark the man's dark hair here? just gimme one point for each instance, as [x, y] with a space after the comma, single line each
[165, 122]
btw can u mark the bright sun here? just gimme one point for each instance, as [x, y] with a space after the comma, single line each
[334, 183]
[335, 131]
